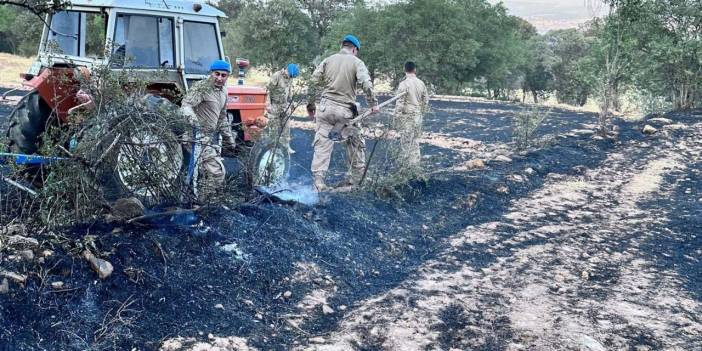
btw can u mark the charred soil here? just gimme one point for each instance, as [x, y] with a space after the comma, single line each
[582, 243]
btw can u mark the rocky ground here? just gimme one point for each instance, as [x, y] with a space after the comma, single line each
[582, 244]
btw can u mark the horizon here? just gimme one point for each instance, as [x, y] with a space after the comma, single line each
[548, 15]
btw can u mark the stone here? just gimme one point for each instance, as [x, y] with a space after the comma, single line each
[258, 316]
[15, 277]
[502, 158]
[660, 120]
[57, 285]
[529, 171]
[585, 275]
[470, 201]
[19, 241]
[648, 129]
[475, 164]
[517, 178]
[591, 344]
[127, 208]
[317, 340]
[502, 189]
[102, 267]
[13, 229]
[342, 308]
[327, 310]
[5, 286]
[219, 306]
[287, 294]
[27, 255]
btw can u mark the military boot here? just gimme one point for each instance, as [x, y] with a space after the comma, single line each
[319, 183]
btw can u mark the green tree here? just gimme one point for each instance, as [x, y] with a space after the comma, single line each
[271, 34]
[538, 70]
[570, 47]
[434, 34]
[322, 14]
[20, 31]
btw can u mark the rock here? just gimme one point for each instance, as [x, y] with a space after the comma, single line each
[660, 120]
[475, 164]
[585, 275]
[327, 310]
[13, 229]
[102, 267]
[517, 178]
[502, 158]
[648, 129]
[27, 255]
[502, 189]
[15, 277]
[46, 253]
[57, 285]
[19, 241]
[317, 340]
[287, 294]
[5, 286]
[469, 202]
[258, 316]
[219, 306]
[579, 169]
[591, 344]
[529, 171]
[127, 208]
[342, 308]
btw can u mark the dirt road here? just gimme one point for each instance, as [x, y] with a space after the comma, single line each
[585, 244]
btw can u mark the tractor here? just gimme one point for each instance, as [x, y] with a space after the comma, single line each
[177, 39]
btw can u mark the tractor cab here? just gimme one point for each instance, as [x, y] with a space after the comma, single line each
[177, 39]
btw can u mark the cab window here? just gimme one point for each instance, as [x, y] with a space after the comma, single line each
[77, 33]
[143, 42]
[201, 46]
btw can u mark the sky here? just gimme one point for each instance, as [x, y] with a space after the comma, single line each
[553, 14]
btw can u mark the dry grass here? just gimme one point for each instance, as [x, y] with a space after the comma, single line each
[10, 68]
[253, 77]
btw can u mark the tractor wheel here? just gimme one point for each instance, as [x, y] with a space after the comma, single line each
[268, 164]
[26, 124]
[145, 162]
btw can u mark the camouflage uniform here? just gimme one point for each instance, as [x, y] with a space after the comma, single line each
[277, 105]
[205, 106]
[337, 77]
[407, 120]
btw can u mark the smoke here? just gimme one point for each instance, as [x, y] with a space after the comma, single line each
[301, 193]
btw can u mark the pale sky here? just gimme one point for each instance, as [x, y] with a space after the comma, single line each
[554, 14]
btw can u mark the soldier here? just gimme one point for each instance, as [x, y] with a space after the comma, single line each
[278, 104]
[337, 77]
[205, 107]
[407, 120]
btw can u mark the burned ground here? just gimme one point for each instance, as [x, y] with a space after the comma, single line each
[585, 243]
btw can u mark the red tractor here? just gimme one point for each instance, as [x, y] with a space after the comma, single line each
[177, 39]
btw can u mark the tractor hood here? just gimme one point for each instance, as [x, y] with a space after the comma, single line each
[245, 97]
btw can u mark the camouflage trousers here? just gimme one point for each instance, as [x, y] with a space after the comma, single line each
[406, 153]
[209, 174]
[278, 126]
[329, 113]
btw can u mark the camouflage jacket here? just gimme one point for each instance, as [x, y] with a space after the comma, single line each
[338, 75]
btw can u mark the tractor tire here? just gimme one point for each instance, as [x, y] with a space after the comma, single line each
[268, 165]
[150, 173]
[27, 123]
[146, 163]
